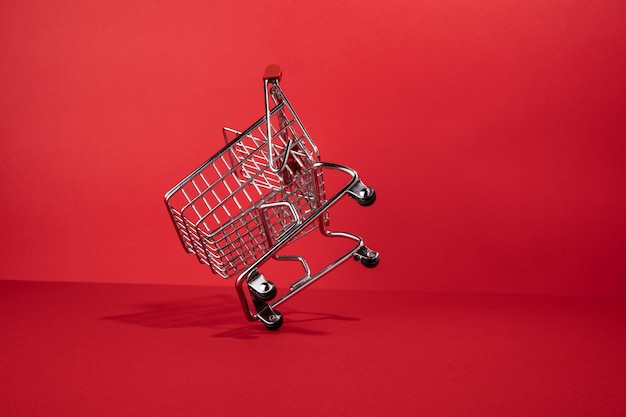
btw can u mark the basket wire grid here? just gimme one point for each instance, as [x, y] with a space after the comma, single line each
[262, 191]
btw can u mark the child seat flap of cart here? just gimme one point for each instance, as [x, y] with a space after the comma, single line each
[261, 192]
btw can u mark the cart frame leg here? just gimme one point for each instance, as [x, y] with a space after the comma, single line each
[263, 310]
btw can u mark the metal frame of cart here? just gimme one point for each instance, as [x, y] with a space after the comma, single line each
[262, 191]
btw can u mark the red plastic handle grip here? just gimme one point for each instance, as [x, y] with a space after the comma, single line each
[272, 72]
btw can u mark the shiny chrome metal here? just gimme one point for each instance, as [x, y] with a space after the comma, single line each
[360, 191]
[261, 192]
[365, 253]
[259, 285]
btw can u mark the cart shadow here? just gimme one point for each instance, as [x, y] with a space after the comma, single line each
[220, 313]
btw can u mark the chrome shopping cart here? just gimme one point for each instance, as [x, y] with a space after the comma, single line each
[261, 192]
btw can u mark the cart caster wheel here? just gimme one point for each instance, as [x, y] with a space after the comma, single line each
[275, 321]
[368, 199]
[268, 292]
[370, 262]
[260, 288]
[363, 194]
[367, 257]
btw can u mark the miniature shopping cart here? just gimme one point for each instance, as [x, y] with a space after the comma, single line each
[261, 192]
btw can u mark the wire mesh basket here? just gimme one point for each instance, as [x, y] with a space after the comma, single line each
[261, 192]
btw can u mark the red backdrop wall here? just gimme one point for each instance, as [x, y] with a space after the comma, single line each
[493, 132]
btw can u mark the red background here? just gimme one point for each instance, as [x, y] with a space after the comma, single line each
[492, 131]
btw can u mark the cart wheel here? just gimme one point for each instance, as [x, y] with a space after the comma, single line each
[367, 257]
[370, 262]
[269, 291]
[276, 321]
[368, 199]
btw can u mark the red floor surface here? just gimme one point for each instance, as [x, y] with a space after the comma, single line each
[71, 349]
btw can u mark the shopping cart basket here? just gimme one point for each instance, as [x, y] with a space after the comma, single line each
[261, 192]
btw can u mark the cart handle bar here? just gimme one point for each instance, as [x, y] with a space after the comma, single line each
[273, 72]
